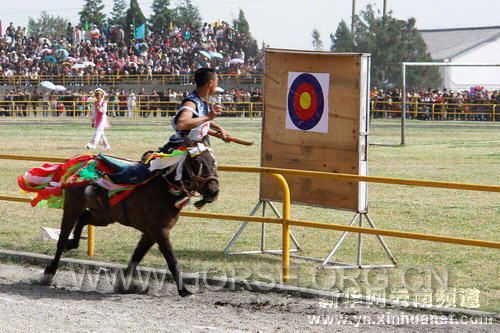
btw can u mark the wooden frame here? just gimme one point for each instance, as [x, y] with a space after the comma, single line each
[343, 149]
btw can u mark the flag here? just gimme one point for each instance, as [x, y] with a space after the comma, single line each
[86, 26]
[140, 31]
[171, 25]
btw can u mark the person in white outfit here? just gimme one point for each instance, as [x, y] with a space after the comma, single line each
[131, 102]
[99, 120]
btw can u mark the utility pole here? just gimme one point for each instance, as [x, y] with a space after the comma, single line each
[385, 12]
[353, 15]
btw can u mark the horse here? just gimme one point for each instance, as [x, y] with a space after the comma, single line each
[151, 208]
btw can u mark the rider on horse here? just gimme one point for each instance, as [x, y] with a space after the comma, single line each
[195, 117]
[191, 124]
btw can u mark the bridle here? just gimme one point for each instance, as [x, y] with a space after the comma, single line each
[198, 182]
[195, 182]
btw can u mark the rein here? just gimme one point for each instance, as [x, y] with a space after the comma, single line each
[180, 190]
[194, 183]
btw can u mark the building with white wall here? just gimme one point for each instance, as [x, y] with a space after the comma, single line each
[466, 45]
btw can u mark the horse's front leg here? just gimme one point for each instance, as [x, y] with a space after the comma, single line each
[163, 240]
[124, 283]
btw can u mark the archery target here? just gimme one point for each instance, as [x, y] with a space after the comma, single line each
[307, 102]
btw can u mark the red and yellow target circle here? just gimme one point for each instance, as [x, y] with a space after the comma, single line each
[305, 101]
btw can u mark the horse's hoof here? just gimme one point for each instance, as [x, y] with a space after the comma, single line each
[72, 245]
[132, 289]
[44, 280]
[137, 289]
[120, 289]
[186, 293]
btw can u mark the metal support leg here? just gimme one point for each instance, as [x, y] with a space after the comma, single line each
[325, 263]
[360, 243]
[359, 264]
[242, 227]
[381, 240]
[263, 230]
[339, 242]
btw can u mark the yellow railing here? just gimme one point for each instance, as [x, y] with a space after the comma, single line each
[286, 220]
[436, 111]
[141, 108]
[130, 79]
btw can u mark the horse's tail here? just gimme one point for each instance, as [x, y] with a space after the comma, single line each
[48, 181]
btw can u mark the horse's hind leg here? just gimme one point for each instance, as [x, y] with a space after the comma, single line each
[163, 240]
[83, 220]
[97, 213]
[88, 217]
[124, 283]
[66, 226]
[73, 208]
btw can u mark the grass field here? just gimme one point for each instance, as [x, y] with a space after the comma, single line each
[436, 151]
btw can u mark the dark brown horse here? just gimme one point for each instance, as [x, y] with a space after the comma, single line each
[150, 209]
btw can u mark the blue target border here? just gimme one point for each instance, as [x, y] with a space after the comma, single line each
[318, 113]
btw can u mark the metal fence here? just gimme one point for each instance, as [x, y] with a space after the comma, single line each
[142, 108]
[146, 106]
[437, 111]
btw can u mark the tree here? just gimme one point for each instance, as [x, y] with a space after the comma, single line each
[343, 40]
[187, 14]
[161, 16]
[118, 14]
[241, 24]
[390, 41]
[316, 42]
[134, 19]
[249, 44]
[47, 24]
[92, 13]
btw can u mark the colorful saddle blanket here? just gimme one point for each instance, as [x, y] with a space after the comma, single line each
[49, 181]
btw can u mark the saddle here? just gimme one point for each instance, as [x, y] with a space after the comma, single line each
[125, 171]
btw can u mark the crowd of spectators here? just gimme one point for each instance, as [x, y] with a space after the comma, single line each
[23, 102]
[476, 103]
[106, 50]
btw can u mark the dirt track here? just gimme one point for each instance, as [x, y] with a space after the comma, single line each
[75, 302]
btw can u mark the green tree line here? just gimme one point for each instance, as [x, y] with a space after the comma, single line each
[390, 42]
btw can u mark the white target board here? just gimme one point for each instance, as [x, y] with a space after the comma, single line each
[307, 102]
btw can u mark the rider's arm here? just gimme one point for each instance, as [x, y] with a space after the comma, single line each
[213, 125]
[218, 128]
[185, 121]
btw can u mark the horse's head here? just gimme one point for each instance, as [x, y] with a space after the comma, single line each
[200, 170]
